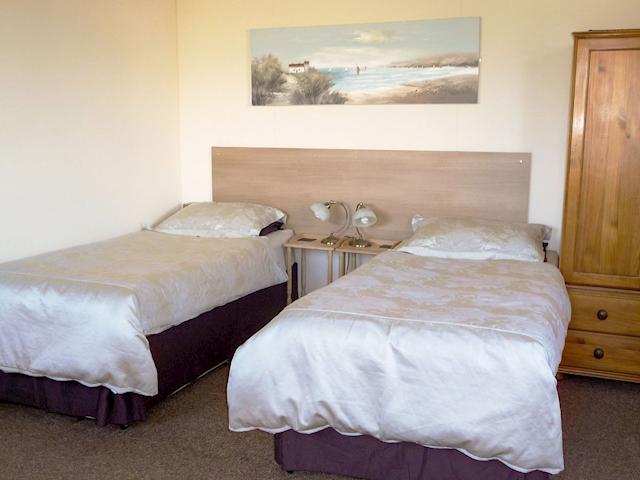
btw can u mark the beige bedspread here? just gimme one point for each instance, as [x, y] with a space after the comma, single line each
[445, 353]
[83, 313]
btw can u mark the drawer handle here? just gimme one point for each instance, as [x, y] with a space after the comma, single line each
[602, 315]
[598, 353]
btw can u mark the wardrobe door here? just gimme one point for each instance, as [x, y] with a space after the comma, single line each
[602, 206]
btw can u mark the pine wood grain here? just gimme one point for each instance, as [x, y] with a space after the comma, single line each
[621, 354]
[622, 310]
[601, 236]
[600, 256]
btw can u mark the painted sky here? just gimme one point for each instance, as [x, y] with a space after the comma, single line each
[371, 44]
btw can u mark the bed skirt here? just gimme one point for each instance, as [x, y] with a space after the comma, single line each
[365, 457]
[181, 354]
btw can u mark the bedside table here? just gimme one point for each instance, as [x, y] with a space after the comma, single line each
[377, 246]
[304, 242]
[553, 258]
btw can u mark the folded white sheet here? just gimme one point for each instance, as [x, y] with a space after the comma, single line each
[83, 313]
[444, 353]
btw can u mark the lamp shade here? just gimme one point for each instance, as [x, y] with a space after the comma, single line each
[364, 217]
[321, 211]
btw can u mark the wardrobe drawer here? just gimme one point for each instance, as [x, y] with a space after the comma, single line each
[602, 310]
[599, 351]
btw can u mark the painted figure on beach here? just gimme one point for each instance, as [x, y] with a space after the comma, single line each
[426, 61]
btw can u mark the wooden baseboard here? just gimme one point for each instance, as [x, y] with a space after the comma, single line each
[624, 377]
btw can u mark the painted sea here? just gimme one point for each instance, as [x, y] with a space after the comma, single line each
[348, 80]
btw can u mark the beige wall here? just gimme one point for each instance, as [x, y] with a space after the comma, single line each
[88, 120]
[89, 102]
[524, 85]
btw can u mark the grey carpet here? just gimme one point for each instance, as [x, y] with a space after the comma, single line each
[186, 436]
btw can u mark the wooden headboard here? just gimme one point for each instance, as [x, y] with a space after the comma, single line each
[395, 183]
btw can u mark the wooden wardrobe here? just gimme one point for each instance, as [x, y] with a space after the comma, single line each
[600, 255]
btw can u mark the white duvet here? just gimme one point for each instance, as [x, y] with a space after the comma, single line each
[83, 313]
[444, 353]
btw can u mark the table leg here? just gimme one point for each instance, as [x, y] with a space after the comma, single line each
[303, 269]
[289, 274]
[330, 267]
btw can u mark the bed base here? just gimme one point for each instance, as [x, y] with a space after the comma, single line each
[181, 355]
[365, 457]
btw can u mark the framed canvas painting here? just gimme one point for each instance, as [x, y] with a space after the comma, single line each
[412, 62]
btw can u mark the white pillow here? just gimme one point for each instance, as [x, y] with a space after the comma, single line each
[475, 239]
[221, 220]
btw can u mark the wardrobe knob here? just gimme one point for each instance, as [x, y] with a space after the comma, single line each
[598, 353]
[602, 315]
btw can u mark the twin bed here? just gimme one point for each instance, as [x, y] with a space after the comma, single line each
[443, 353]
[108, 329]
[410, 367]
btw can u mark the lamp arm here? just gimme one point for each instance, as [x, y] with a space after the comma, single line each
[347, 222]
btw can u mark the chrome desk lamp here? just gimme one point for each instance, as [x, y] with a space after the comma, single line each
[363, 218]
[322, 211]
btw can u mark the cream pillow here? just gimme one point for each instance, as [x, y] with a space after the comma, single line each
[475, 239]
[221, 220]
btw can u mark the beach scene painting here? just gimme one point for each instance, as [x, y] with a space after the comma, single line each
[412, 62]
